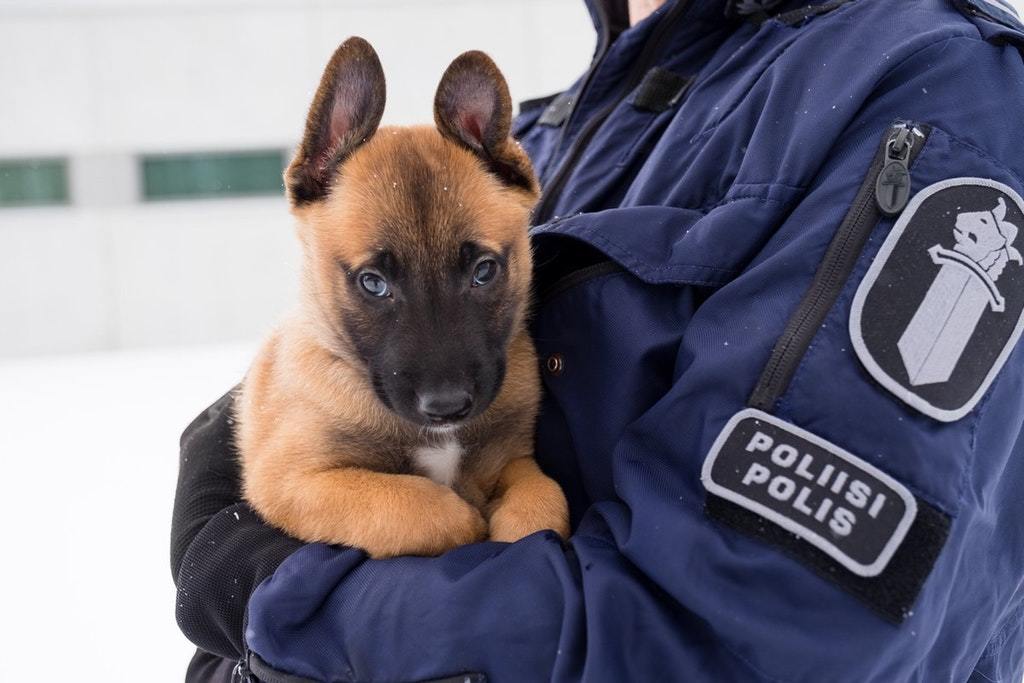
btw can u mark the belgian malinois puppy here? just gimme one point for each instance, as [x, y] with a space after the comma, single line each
[395, 411]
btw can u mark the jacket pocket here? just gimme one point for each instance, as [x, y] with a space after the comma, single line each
[577, 277]
[670, 245]
[651, 242]
[884, 191]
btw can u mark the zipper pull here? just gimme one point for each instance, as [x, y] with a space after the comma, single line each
[892, 187]
[241, 671]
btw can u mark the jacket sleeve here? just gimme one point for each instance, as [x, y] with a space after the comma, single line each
[653, 586]
[220, 549]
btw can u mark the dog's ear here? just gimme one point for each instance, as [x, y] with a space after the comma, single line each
[473, 108]
[346, 111]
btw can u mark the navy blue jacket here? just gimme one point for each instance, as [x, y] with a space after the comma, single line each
[790, 451]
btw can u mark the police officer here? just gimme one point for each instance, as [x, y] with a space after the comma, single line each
[780, 297]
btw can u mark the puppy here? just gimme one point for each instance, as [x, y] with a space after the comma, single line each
[395, 411]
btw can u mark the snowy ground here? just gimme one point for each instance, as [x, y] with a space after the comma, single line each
[88, 450]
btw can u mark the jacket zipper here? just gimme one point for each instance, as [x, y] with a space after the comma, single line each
[643, 63]
[252, 669]
[884, 192]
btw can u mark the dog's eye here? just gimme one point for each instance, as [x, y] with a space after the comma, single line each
[374, 284]
[485, 271]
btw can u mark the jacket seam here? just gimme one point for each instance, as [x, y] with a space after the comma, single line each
[997, 642]
[987, 678]
[984, 156]
[928, 46]
[708, 131]
[699, 136]
[772, 184]
[968, 464]
[628, 256]
[729, 199]
[967, 467]
[784, 48]
[750, 665]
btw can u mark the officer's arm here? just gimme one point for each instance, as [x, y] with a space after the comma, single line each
[220, 549]
[784, 512]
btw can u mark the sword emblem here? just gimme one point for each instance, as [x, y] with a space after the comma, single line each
[964, 288]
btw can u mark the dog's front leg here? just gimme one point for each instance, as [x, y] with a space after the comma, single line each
[526, 500]
[384, 514]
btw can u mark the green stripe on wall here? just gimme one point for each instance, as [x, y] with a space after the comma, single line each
[217, 174]
[33, 182]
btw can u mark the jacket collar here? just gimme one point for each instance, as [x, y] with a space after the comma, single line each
[611, 17]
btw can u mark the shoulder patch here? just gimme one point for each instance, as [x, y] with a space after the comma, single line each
[852, 523]
[942, 305]
[842, 505]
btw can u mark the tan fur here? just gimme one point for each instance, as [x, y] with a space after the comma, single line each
[525, 500]
[307, 389]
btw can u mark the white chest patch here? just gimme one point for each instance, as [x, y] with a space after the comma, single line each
[441, 463]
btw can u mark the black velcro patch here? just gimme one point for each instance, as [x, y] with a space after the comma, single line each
[660, 89]
[759, 11]
[942, 305]
[558, 111]
[536, 103]
[848, 521]
[746, 8]
[798, 15]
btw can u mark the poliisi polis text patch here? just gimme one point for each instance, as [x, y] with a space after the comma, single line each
[837, 502]
[827, 505]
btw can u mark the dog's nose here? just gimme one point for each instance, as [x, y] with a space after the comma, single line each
[445, 405]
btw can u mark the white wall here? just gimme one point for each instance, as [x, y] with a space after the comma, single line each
[103, 80]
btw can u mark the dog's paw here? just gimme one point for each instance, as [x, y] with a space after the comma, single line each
[459, 522]
[526, 510]
[442, 522]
